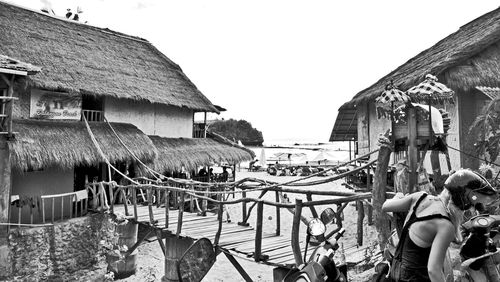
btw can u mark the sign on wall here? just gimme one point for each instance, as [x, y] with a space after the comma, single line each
[55, 105]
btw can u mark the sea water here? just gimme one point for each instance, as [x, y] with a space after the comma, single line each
[301, 152]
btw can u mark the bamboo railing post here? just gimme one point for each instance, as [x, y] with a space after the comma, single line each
[204, 202]
[62, 208]
[382, 222]
[166, 207]
[361, 216]
[150, 205]
[258, 231]
[219, 220]
[243, 210]
[278, 215]
[43, 210]
[134, 199]
[111, 187]
[181, 211]
[313, 210]
[52, 219]
[295, 232]
[191, 200]
[125, 206]
[369, 188]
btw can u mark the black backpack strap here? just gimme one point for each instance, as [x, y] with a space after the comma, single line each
[418, 203]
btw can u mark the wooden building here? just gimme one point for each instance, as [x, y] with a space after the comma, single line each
[463, 61]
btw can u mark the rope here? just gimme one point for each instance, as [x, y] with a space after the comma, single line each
[96, 144]
[470, 155]
[154, 173]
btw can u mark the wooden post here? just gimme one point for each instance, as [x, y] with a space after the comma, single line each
[134, 199]
[313, 210]
[369, 188]
[295, 232]
[412, 148]
[243, 210]
[278, 215]
[5, 193]
[219, 220]
[361, 217]
[191, 200]
[258, 231]
[382, 222]
[179, 218]
[166, 208]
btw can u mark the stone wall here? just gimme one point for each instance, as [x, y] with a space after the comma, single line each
[69, 250]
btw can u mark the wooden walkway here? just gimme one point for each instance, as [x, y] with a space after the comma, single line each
[236, 239]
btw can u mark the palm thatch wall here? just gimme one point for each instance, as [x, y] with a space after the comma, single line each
[79, 58]
[463, 60]
[66, 144]
[190, 153]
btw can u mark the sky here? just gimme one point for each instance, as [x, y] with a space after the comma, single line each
[285, 66]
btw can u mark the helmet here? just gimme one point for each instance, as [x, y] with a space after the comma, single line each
[465, 178]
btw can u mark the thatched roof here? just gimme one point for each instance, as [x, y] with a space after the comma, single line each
[80, 58]
[190, 153]
[13, 64]
[462, 61]
[39, 144]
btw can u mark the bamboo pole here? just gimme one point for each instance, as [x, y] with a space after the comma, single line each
[379, 191]
[369, 188]
[412, 149]
[219, 228]
[180, 214]
[278, 215]
[166, 208]
[361, 216]
[243, 210]
[295, 232]
[258, 231]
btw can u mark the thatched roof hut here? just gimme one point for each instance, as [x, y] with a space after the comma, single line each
[190, 153]
[463, 60]
[65, 144]
[79, 58]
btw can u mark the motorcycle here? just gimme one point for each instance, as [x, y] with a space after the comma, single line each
[479, 252]
[320, 266]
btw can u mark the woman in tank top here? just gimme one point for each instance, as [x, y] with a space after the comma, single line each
[433, 223]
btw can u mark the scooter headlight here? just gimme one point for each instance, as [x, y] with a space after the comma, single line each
[316, 227]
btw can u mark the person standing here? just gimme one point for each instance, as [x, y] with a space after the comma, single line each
[433, 222]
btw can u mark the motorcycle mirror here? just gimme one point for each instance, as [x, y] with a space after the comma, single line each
[328, 216]
[316, 227]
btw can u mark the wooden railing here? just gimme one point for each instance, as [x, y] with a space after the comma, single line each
[175, 193]
[59, 206]
[92, 115]
[199, 130]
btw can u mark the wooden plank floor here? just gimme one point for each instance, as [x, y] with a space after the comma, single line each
[239, 240]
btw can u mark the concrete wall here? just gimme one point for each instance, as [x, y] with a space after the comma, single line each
[73, 250]
[45, 182]
[152, 119]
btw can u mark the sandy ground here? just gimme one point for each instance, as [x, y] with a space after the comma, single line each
[150, 263]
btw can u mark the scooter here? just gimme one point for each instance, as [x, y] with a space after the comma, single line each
[320, 266]
[479, 252]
